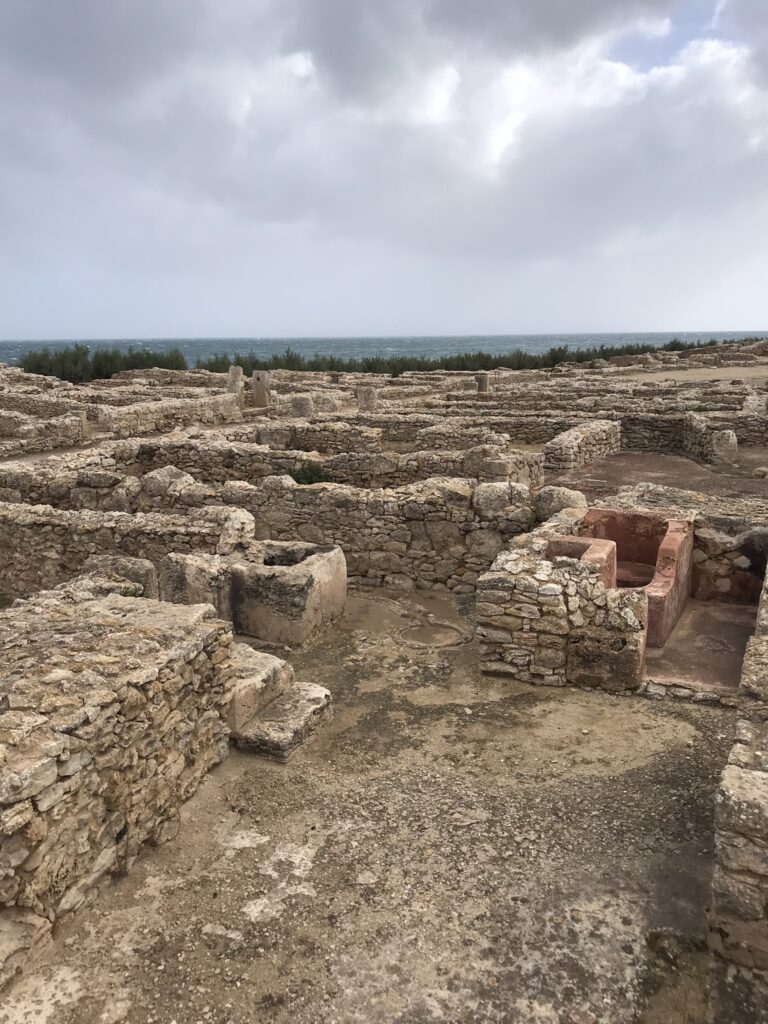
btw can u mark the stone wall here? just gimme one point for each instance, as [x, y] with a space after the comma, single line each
[45, 406]
[738, 917]
[41, 547]
[750, 427]
[213, 460]
[440, 532]
[581, 446]
[546, 616]
[453, 434]
[173, 378]
[147, 417]
[307, 436]
[112, 708]
[30, 434]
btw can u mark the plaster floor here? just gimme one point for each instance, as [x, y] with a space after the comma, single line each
[449, 848]
[706, 647]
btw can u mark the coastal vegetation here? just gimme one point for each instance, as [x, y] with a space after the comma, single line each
[79, 363]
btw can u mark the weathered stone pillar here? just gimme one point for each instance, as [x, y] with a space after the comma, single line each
[236, 383]
[725, 446]
[260, 388]
[483, 382]
[325, 403]
[302, 406]
[367, 399]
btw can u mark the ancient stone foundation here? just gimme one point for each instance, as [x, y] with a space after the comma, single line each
[582, 445]
[547, 615]
[183, 510]
[113, 706]
[738, 916]
[103, 735]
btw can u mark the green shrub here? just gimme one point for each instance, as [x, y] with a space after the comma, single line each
[78, 364]
[310, 473]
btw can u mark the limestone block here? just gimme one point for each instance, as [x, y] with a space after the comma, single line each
[261, 389]
[551, 500]
[490, 499]
[741, 805]
[724, 446]
[137, 570]
[20, 931]
[367, 399]
[302, 406]
[166, 480]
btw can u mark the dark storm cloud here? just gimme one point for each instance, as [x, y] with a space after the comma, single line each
[363, 47]
[99, 44]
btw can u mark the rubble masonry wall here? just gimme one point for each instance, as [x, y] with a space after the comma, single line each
[738, 916]
[112, 708]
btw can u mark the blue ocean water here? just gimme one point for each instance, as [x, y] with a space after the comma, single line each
[347, 348]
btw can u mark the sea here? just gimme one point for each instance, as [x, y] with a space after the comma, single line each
[431, 346]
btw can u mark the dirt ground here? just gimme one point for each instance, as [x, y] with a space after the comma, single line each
[757, 373]
[449, 848]
[706, 648]
[604, 477]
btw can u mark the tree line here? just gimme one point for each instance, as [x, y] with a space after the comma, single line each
[79, 363]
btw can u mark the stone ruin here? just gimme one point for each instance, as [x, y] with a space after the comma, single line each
[166, 535]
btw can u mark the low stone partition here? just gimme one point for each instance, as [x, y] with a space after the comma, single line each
[147, 417]
[581, 446]
[679, 433]
[112, 709]
[49, 405]
[41, 547]
[457, 434]
[210, 459]
[485, 463]
[738, 914]
[172, 378]
[447, 428]
[705, 441]
[329, 438]
[750, 425]
[440, 532]
[37, 435]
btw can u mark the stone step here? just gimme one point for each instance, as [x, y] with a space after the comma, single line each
[285, 723]
[259, 679]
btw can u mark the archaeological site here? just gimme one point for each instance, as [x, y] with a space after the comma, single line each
[349, 699]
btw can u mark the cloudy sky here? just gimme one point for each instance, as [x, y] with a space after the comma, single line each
[320, 167]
